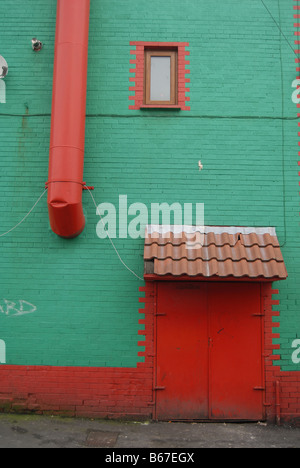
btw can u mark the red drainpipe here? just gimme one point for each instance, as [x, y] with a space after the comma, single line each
[66, 159]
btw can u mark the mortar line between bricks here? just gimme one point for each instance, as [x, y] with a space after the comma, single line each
[203, 117]
[228, 117]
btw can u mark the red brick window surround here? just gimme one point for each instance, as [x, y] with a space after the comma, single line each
[138, 81]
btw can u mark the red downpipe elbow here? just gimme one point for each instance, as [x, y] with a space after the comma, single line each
[67, 139]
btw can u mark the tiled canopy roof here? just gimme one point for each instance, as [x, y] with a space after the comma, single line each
[214, 251]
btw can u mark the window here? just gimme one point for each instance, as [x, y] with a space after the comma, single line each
[159, 79]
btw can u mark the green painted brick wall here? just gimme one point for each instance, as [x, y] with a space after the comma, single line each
[242, 126]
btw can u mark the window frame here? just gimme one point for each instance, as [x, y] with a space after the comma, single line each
[161, 52]
[137, 75]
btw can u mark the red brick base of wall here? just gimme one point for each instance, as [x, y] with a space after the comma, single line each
[84, 391]
[282, 395]
[128, 392]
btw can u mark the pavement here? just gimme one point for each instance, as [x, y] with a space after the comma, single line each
[33, 431]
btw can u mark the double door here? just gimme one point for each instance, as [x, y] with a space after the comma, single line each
[209, 351]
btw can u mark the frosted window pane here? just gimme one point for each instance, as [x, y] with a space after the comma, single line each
[160, 88]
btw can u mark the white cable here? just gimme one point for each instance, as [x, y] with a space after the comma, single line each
[29, 212]
[36, 203]
[127, 267]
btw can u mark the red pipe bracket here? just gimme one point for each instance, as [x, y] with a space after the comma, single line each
[67, 140]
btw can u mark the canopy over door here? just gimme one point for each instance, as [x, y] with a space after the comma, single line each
[213, 252]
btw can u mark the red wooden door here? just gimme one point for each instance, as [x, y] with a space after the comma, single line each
[182, 352]
[209, 351]
[236, 378]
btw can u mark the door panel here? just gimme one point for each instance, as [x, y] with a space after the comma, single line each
[235, 351]
[182, 352]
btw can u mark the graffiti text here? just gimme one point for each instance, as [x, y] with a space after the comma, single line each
[13, 309]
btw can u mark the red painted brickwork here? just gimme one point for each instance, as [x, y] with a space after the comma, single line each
[138, 79]
[88, 392]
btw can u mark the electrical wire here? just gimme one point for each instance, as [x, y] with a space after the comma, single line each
[25, 217]
[111, 241]
[37, 202]
[278, 26]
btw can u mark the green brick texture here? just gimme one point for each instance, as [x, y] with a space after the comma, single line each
[242, 126]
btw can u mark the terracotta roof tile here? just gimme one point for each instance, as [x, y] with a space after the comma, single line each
[224, 252]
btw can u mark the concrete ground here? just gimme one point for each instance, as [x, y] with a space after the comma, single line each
[26, 431]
